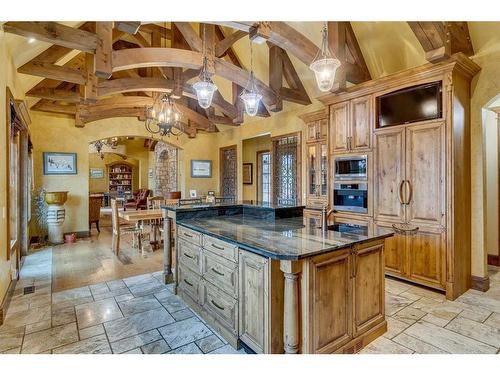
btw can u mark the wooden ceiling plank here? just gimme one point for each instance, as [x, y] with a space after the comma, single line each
[192, 39]
[433, 39]
[55, 94]
[55, 33]
[54, 72]
[103, 56]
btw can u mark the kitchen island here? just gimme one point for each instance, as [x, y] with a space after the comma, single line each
[278, 286]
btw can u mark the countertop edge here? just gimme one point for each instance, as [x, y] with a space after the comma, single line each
[269, 254]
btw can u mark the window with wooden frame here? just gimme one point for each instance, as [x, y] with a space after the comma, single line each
[286, 169]
[264, 176]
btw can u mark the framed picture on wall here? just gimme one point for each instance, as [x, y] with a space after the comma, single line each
[247, 173]
[96, 173]
[59, 163]
[201, 168]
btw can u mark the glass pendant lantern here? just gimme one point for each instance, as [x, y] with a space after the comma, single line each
[324, 65]
[205, 88]
[250, 95]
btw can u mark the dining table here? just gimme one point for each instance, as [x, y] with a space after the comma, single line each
[139, 216]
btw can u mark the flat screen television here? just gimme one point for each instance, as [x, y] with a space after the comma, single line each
[411, 104]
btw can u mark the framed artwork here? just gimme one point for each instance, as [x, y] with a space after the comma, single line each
[96, 173]
[247, 173]
[59, 163]
[201, 168]
[192, 194]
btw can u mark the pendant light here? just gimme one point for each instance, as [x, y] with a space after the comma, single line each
[250, 95]
[163, 117]
[324, 64]
[204, 88]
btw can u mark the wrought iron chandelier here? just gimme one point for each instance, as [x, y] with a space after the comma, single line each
[205, 88]
[101, 143]
[324, 65]
[163, 117]
[251, 96]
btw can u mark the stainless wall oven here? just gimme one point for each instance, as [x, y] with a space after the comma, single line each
[350, 197]
[353, 167]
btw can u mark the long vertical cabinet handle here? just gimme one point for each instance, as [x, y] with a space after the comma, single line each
[400, 192]
[410, 192]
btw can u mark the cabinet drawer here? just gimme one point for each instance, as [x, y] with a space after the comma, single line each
[221, 248]
[222, 307]
[189, 235]
[220, 272]
[190, 255]
[189, 283]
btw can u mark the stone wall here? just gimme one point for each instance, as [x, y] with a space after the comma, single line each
[166, 169]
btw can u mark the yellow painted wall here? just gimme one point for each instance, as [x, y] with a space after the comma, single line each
[250, 148]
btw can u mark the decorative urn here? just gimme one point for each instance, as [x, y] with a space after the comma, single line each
[56, 213]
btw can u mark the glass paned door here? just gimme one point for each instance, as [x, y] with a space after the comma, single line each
[228, 170]
[324, 169]
[312, 161]
[264, 176]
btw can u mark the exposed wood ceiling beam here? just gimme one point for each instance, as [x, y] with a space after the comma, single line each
[129, 27]
[163, 31]
[147, 57]
[55, 72]
[54, 107]
[103, 67]
[223, 45]
[295, 43]
[190, 36]
[440, 40]
[55, 33]
[55, 94]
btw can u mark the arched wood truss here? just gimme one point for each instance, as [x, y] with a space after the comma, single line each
[122, 64]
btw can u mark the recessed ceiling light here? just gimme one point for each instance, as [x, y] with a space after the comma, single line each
[31, 40]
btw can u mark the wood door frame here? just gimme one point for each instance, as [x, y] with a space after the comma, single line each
[257, 173]
[221, 165]
[298, 134]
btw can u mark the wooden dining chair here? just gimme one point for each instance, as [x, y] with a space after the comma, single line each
[118, 230]
[155, 203]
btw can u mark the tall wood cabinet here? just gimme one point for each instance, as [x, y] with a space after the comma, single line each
[317, 158]
[421, 173]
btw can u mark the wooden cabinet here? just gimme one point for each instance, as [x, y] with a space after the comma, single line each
[317, 174]
[389, 173]
[330, 301]
[344, 298]
[394, 251]
[350, 125]
[368, 290]
[316, 130]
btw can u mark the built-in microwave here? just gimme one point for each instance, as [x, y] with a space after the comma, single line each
[350, 167]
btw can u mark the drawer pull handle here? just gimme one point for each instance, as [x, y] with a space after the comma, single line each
[188, 235]
[216, 305]
[217, 272]
[187, 282]
[188, 256]
[217, 247]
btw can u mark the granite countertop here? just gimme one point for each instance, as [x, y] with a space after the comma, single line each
[249, 204]
[279, 239]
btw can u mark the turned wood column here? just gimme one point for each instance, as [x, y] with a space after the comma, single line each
[291, 310]
[167, 250]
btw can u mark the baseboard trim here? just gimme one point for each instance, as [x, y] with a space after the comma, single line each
[480, 283]
[494, 260]
[6, 301]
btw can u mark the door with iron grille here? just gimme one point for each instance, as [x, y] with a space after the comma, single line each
[228, 172]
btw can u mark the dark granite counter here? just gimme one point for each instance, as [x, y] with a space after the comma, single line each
[282, 238]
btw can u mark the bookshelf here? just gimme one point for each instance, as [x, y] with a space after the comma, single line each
[120, 178]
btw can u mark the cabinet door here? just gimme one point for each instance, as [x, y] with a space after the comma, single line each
[312, 131]
[389, 164]
[426, 257]
[329, 301]
[394, 251]
[312, 218]
[425, 174]
[361, 119]
[323, 128]
[323, 170]
[339, 131]
[253, 300]
[312, 165]
[368, 290]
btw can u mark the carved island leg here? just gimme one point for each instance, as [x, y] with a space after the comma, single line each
[167, 251]
[291, 311]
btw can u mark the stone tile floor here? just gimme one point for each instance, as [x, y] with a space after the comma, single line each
[139, 314]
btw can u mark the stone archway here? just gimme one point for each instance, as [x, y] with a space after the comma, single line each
[166, 171]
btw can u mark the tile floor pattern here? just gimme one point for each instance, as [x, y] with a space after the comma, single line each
[139, 314]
